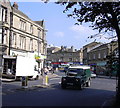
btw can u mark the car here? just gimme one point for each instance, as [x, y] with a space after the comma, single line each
[93, 75]
[77, 76]
[36, 75]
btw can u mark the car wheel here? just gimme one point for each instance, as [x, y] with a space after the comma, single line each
[88, 83]
[81, 86]
[63, 86]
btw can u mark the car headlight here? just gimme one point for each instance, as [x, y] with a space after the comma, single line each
[77, 79]
[63, 79]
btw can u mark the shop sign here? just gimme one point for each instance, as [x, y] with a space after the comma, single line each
[37, 57]
[101, 63]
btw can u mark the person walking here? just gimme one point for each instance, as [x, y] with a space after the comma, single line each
[45, 79]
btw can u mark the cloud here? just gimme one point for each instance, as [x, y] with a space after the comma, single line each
[80, 29]
[59, 34]
[82, 33]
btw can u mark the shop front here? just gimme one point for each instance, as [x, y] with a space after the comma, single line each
[101, 67]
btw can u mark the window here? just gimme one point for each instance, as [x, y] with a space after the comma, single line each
[89, 57]
[104, 55]
[31, 45]
[3, 14]
[5, 37]
[0, 13]
[0, 35]
[38, 33]
[22, 25]
[14, 39]
[39, 46]
[22, 42]
[99, 56]
[70, 59]
[94, 56]
[31, 29]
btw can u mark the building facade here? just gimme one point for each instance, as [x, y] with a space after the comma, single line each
[87, 48]
[25, 38]
[66, 55]
[5, 10]
[97, 56]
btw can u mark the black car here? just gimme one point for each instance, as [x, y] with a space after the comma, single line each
[77, 76]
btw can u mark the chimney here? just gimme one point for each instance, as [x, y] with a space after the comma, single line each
[72, 48]
[15, 5]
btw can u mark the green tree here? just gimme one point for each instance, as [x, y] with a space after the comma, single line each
[104, 16]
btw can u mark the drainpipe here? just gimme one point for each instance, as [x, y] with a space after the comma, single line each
[10, 34]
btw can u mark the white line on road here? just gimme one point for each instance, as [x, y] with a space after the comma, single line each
[54, 78]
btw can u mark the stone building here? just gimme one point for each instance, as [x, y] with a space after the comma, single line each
[5, 10]
[66, 55]
[97, 56]
[25, 37]
[87, 48]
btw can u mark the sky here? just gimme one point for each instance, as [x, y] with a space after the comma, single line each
[62, 30]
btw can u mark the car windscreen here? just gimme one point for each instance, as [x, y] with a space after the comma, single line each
[75, 72]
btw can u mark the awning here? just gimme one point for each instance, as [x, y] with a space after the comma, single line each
[8, 57]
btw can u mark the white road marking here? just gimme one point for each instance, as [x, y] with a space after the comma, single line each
[54, 78]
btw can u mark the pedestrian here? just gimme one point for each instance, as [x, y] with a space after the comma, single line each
[42, 71]
[46, 70]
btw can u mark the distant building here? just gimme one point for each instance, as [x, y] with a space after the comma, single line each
[87, 48]
[97, 56]
[65, 54]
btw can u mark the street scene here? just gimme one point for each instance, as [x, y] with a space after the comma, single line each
[37, 94]
[56, 54]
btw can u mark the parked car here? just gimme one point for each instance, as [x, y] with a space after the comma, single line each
[77, 76]
[36, 75]
[93, 75]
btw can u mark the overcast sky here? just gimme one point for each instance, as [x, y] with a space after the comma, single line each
[61, 29]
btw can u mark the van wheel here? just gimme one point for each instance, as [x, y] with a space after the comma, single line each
[88, 83]
[37, 77]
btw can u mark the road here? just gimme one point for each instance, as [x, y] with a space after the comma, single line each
[100, 90]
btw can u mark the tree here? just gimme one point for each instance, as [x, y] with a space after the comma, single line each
[104, 16]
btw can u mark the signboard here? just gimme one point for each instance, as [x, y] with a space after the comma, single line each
[101, 63]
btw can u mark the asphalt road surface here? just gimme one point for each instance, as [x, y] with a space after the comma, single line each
[101, 89]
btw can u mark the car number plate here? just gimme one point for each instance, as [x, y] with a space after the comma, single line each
[70, 83]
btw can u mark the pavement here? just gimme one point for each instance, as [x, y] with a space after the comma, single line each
[110, 103]
[11, 80]
[10, 85]
[107, 77]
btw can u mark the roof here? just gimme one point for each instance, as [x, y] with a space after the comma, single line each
[92, 44]
[80, 67]
[41, 23]
[20, 13]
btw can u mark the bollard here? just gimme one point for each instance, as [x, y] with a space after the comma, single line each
[24, 82]
[46, 79]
